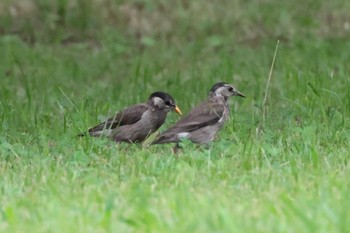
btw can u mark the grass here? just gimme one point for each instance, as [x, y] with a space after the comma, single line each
[64, 69]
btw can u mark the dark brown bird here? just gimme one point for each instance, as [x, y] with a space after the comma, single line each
[204, 121]
[137, 122]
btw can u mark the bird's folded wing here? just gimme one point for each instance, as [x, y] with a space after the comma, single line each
[127, 116]
[203, 115]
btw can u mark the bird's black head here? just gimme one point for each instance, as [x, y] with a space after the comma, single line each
[217, 86]
[225, 90]
[164, 100]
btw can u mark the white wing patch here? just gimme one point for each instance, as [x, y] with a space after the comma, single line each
[183, 135]
[221, 119]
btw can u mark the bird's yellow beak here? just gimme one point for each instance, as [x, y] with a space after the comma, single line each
[177, 110]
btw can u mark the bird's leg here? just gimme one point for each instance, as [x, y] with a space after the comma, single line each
[176, 148]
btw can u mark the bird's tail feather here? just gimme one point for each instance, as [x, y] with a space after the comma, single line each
[164, 139]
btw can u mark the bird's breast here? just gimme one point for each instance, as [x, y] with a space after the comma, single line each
[225, 114]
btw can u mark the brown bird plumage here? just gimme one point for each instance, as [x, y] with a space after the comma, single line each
[204, 121]
[137, 122]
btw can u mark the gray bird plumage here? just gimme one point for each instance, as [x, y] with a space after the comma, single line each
[137, 122]
[204, 121]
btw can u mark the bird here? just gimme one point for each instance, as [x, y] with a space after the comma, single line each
[204, 121]
[135, 123]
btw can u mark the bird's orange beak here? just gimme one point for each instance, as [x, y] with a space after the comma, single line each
[177, 110]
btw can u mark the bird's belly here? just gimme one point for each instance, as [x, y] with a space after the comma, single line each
[134, 133]
[204, 135]
[139, 131]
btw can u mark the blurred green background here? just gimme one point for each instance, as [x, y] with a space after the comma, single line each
[145, 22]
[66, 65]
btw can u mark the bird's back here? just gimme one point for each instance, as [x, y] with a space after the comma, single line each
[201, 123]
[150, 121]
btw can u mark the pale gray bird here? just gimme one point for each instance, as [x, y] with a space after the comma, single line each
[204, 121]
[137, 122]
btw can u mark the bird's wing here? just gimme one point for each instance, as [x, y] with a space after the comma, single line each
[127, 116]
[203, 115]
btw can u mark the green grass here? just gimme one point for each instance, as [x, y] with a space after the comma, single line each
[64, 68]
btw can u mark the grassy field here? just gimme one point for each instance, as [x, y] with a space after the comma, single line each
[67, 65]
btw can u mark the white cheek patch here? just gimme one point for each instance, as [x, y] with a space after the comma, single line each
[219, 91]
[183, 135]
[158, 101]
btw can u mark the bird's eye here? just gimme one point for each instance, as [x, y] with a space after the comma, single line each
[167, 102]
[230, 89]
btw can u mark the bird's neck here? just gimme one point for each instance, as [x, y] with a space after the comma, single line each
[217, 97]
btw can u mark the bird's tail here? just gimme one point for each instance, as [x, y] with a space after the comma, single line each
[163, 138]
